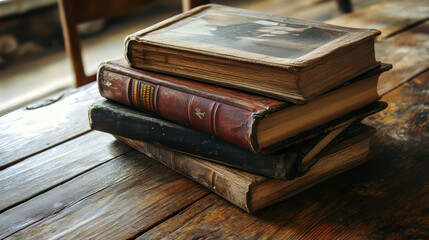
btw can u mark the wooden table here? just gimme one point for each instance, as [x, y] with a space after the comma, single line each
[58, 179]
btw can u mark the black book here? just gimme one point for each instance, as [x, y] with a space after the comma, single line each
[120, 120]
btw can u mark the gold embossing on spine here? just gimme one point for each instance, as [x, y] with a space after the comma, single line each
[143, 95]
[152, 106]
[135, 93]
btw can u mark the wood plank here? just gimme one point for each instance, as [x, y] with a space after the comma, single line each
[45, 124]
[387, 197]
[73, 191]
[392, 195]
[388, 17]
[409, 54]
[318, 10]
[56, 165]
[139, 193]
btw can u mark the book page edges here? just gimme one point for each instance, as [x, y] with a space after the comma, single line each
[340, 158]
[332, 105]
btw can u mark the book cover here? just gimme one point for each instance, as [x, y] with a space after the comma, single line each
[117, 119]
[255, 122]
[289, 59]
[252, 192]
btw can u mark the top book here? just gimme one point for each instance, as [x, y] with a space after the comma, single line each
[284, 58]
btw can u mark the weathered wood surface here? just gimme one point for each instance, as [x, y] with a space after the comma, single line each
[387, 197]
[408, 50]
[47, 169]
[130, 195]
[318, 10]
[71, 192]
[27, 131]
[409, 54]
[118, 200]
[388, 17]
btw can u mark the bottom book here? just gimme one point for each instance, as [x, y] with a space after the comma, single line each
[252, 192]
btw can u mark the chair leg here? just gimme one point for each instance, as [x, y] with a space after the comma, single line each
[189, 4]
[345, 6]
[85, 80]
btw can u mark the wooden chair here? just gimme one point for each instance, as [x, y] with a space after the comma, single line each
[73, 12]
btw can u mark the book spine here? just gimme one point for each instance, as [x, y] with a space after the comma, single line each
[227, 122]
[233, 190]
[119, 120]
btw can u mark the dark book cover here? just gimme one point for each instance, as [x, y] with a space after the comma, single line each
[117, 119]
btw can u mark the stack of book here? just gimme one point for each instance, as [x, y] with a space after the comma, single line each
[253, 106]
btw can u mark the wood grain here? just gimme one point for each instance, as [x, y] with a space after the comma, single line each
[388, 17]
[408, 50]
[27, 131]
[65, 195]
[138, 193]
[388, 197]
[56, 165]
[409, 53]
[131, 196]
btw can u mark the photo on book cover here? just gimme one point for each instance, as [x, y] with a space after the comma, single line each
[252, 34]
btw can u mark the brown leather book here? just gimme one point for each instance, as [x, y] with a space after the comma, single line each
[257, 123]
[288, 59]
[252, 192]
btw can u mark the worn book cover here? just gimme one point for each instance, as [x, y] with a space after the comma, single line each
[284, 58]
[255, 122]
[117, 119]
[252, 192]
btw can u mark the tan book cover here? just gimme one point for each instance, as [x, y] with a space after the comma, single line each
[252, 192]
[284, 58]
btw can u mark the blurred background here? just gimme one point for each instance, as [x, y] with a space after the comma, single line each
[33, 61]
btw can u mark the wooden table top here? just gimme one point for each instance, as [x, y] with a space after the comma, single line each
[59, 179]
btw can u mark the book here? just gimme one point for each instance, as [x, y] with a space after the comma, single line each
[284, 58]
[117, 119]
[252, 192]
[255, 122]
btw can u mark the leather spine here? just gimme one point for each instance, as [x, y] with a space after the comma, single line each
[231, 123]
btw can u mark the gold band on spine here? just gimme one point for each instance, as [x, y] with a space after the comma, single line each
[135, 97]
[143, 95]
[152, 107]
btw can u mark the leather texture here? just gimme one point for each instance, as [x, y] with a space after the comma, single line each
[223, 112]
